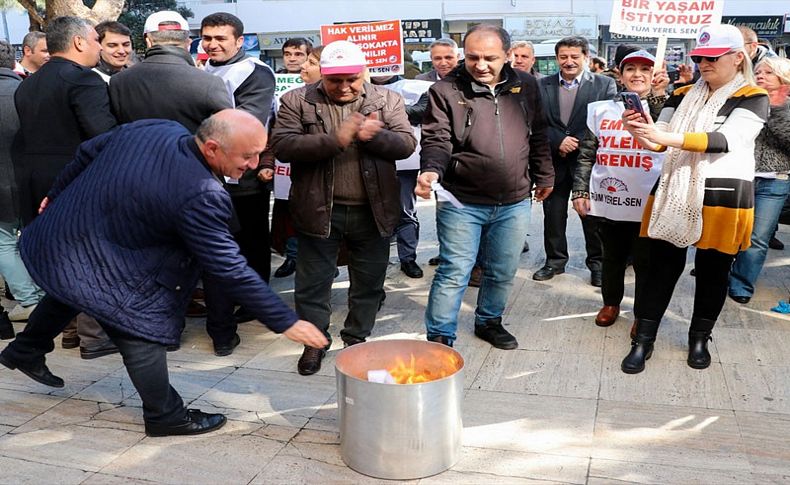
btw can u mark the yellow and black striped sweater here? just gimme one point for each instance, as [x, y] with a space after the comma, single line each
[728, 206]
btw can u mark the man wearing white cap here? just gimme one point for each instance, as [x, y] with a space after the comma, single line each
[166, 85]
[342, 137]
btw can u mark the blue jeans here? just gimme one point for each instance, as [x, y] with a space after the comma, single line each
[769, 198]
[497, 231]
[13, 269]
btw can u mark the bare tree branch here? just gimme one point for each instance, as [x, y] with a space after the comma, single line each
[30, 6]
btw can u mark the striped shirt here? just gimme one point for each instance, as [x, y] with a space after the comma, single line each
[728, 205]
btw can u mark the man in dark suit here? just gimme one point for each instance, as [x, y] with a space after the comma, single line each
[444, 57]
[61, 105]
[125, 232]
[565, 98]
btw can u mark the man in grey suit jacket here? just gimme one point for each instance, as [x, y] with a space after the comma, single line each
[444, 57]
[565, 98]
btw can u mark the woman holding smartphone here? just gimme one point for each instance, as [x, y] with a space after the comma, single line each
[705, 194]
[614, 175]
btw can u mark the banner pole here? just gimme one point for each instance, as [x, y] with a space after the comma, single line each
[661, 50]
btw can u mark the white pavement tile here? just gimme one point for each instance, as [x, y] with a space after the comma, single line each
[607, 472]
[27, 472]
[668, 435]
[231, 455]
[766, 442]
[17, 408]
[669, 382]
[542, 373]
[532, 424]
[758, 388]
[513, 464]
[70, 446]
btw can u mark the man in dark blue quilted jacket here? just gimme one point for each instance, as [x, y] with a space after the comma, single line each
[124, 233]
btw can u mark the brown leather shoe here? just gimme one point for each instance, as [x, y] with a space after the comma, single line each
[310, 361]
[607, 315]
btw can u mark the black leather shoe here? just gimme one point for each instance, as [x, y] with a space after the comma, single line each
[243, 316]
[494, 333]
[525, 249]
[310, 361]
[38, 372]
[286, 269]
[6, 327]
[699, 357]
[774, 243]
[434, 261]
[596, 278]
[741, 299]
[411, 269]
[196, 310]
[546, 273]
[108, 348]
[196, 422]
[441, 339]
[222, 350]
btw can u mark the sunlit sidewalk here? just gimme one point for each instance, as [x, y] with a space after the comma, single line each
[557, 410]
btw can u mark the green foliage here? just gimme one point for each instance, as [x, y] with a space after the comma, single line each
[136, 11]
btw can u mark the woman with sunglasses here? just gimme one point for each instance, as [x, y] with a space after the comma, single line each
[614, 175]
[704, 196]
[771, 184]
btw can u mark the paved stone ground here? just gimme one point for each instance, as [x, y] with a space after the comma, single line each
[557, 410]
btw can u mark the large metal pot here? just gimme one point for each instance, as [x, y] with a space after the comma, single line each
[399, 431]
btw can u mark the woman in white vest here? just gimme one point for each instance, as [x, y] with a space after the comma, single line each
[614, 175]
[705, 194]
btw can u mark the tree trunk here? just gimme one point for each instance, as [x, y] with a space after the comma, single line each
[101, 11]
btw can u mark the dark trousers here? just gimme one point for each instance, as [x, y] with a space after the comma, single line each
[555, 221]
[666, 264]
[408, 230]
[146, 362]
[252, 212]
[367, 266]
[620, 239]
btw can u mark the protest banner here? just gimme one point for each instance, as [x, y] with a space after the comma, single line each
[282, 171]
[664, 19]
[381, 42]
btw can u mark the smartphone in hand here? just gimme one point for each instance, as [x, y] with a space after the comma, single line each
[632, 101]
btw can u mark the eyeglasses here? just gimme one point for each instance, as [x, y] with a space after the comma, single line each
[698, 59]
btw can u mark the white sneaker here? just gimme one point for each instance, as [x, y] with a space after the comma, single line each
[21, 313]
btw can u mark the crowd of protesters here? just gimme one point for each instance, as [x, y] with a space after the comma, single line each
[125, 182]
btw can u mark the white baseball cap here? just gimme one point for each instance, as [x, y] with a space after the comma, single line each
[342, 57]
[717, 40]
[638, 57]
[168, 17]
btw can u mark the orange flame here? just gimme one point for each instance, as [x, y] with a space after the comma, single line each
[423, 369]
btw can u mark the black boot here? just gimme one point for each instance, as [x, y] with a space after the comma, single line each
[699, 335]
[641, 346]
[6, 328]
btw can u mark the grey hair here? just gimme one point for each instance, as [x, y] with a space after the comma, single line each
[7, 55]
[779, 65]
[61, 31]
[169, 37]
[214, 128]
[445, 43]
[31, 39]
[520, 44]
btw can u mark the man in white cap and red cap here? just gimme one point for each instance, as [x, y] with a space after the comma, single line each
[342, 137]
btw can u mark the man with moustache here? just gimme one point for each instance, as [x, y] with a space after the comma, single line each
[444, 56]
[342, 137]
[565, 98]
[484, 139]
